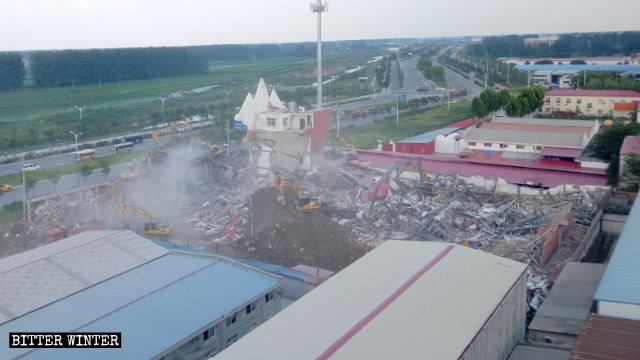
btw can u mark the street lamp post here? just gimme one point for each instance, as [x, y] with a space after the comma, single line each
[81, 129]
[77, 173]
[163, 113]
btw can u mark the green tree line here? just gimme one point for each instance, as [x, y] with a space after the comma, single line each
[489, 101]
[433, 73]
[604, 81]
[69, 67]
[11, 71]
[585, 44]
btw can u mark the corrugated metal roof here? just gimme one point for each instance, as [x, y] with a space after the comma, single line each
[600, 93]
[429, 136]
[607, 338]
[43, 275]
[620, 282]
[561, 152]
[579, 67]
[544, 122]
[630, 145]
[523, 352]
[402, 300]
[541, 128]
[155, 306]
[502, 168]
[525, 137]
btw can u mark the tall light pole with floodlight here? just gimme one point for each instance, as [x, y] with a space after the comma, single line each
[319, 7]
[77, 158]
[81, 129]
[164, 120]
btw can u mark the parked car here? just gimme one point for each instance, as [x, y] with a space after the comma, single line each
[4, 188]
[30, 167]
[422, 88]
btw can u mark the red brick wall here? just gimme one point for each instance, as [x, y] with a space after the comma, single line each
[318, 134]
[555, 231]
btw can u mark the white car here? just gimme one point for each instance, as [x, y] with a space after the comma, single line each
[30, 167]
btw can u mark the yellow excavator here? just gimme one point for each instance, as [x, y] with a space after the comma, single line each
[303, 203]
[208, 145]
[133, 171]
[150, 227]
[158, 132]
[353, 157]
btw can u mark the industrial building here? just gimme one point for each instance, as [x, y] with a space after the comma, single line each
[168, 304]
[403, 300]
[619, 292]
[587, 102]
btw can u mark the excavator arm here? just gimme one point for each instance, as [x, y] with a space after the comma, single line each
[158, 132]
[303, 203]
[353, 157]
[150, 227]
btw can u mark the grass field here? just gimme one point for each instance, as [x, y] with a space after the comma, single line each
[38, 117]
[410, 124]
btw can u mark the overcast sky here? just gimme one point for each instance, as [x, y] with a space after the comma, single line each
[73, 24]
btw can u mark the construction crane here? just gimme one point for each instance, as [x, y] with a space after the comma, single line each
[303, 203]
[158, 132]
[353, 157]
[150, 227]
[216, 150]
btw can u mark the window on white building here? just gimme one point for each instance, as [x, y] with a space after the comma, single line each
[557, 100]
[231, 319]
[601, 101]
[568, 101]
[487, 144]
[520, 147]
[504, 146]
[285, 121]
[271, 121]
[547, 100]
[579, 101]
[251, 307]
[600, 112]
[589, 105]
[538, 147]
[472, 143]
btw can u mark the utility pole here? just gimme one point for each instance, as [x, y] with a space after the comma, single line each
[227, 125]
[81, 130]
[319, 7]
[24, 192]
[163, 113]
[338, 116]
[508, 68]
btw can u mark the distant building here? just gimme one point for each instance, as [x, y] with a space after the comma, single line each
[403, 300]
[618, 294]
[543, 40]
[282, 135]
[167, 304]
[587, 102]
[476, 41]
[596, 60]
[554, 138]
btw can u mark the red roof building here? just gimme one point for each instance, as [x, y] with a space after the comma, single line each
[596, 93]
[607, 338]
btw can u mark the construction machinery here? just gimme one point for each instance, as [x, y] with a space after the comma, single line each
[5, 187]
[303, 203]
[353, 157]
[212, 148]
[61, 232]
[158, 132]
[150, 227]
[133, 172]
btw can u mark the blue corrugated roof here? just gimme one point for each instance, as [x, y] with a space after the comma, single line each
[155, 306]
[579, 67]
[621, 281]
[270, 268]
[429, 136]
